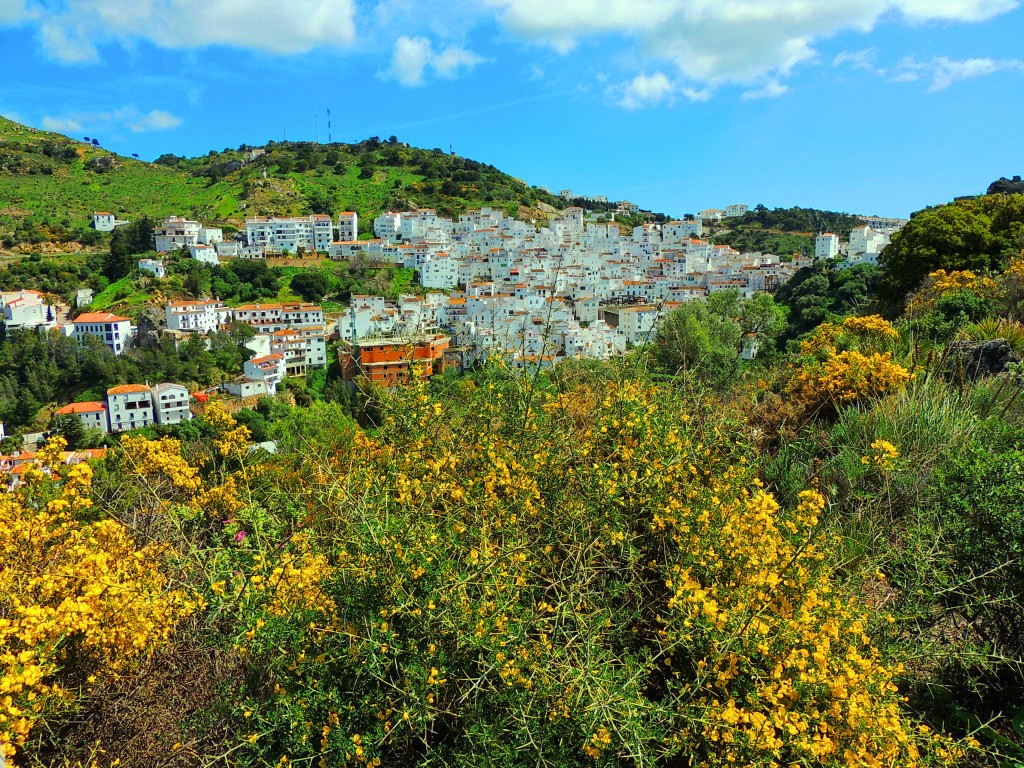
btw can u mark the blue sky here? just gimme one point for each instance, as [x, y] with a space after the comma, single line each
[868, 106]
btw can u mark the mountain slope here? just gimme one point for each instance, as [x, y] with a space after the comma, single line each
[50, 184]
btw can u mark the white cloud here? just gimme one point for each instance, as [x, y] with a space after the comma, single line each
[857, 59]
[412, 56]
[453, 60]
[943, 72]
[70, 32]
[770, 90]
[61, 124]
[410, 59]
[717, 41]
[698, 95]
[646, 90]
[12, 11]
[130, 117]
[156, 120]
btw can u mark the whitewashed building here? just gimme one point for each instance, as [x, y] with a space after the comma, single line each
[268, 369]
[171, 403]
[826, 246]
[105, 221]
[202, 316]
[310, 233]
[175, 232]
[23, 309]
[92, 414]
[154, 266]
[348, 226]
[130, 406]
[111, 329]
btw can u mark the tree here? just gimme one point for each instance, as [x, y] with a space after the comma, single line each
[312, 284]
[125, 243]
[695, 341]
[977, 234]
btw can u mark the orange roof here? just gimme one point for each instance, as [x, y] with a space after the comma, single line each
[126, 389]
[100, 317]
[92, 406]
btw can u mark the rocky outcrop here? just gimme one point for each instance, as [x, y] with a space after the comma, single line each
[972, 360]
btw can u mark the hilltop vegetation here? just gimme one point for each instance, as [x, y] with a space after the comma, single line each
[53, 184]
[783, 231]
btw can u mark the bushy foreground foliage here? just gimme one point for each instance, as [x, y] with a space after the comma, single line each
[577, 573]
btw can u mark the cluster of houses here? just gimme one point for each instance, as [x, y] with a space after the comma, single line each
[262, 237]
[133, 406]
[574, 287]
[12, 467]
[864, 246]
[290, 339]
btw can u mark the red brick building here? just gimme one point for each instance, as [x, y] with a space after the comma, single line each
[390, 362]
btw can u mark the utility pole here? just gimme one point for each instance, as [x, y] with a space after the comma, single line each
[330, 140]
[317, 116]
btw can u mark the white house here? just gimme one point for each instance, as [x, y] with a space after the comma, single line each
[865, 245]
[269, 369]
[92, 414]
[243, 387]
[175, 232]
[111, 329]
[23, 309]
[826, 246]
[736, 210]
[267, 318]
[204, 253]
[84, 297]
[637, 324]
[439, 273]
[201, 316]
[210, 236]
[105, 221]
[171, 403]
[130, 406]
[387, 226]
[348, 226]
[154, 266]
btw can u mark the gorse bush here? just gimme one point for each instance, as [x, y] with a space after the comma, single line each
[77, 599]
[558, 576]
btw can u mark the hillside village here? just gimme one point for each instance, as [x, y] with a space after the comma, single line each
[537, 293]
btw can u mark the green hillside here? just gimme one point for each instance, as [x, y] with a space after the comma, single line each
[784, 230]
[51, 184]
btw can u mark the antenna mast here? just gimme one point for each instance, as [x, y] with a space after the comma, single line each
[329, 139]
[317, 116]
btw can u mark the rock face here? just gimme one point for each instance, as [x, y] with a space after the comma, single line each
[971, 360]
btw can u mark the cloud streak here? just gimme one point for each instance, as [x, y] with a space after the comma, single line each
[71, 31]
[412, 57]
[128, 117]
[739, 41]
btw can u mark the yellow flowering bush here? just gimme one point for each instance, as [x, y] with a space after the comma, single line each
[883, 455]
[847, 377]
[576, 574]
[823, 340]
[871, 325]
[942, 283]
[76, 598]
